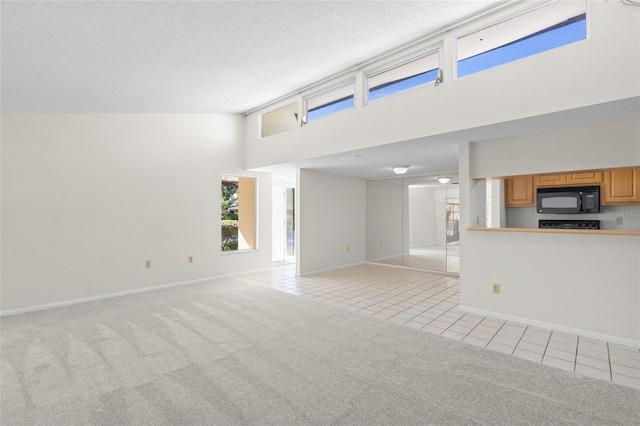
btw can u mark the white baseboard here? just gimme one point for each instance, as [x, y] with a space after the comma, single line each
[387, 257]
[120, 294]
[554, 327]
[430, 271]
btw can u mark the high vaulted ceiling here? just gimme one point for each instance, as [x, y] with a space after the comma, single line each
[195, 57]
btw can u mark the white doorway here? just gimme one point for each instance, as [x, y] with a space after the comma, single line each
[283, 225]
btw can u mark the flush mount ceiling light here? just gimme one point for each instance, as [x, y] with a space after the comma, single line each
[444, 179]
[400, 170]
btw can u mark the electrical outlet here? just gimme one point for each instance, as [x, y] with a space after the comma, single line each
[190, 259]
[495, 287]
[619, 220]
[147, 264]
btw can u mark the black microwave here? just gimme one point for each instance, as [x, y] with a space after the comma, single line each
[568, 200]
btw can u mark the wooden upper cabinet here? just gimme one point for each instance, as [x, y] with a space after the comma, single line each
[584, 178]
[621, 187]
[519, 191]
[549, 180]
[568, 179]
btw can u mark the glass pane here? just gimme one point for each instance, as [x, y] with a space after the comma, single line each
[337, 99]
[453, 235]
[290, 222]
[540, 30]
[280, 120]
[560, 202]
[238, 213]
[277, 224]
[427, 245]
[414, 222]
[413, 73]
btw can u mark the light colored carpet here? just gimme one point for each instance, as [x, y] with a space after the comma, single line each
[230, 353]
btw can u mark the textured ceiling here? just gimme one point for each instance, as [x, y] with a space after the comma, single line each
[194, 57]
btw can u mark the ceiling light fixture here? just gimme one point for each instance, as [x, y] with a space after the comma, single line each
[444, 179]
[400, 170]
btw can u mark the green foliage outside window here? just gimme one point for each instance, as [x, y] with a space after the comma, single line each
[229, 235]
[229, 215]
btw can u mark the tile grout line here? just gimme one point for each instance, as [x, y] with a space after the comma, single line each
[546, 346]
[426, 310]
[575, 362]
[520, 340]
[610, 367]
[496, 333]
[474, 327]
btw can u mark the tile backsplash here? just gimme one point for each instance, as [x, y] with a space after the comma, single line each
[609, 217]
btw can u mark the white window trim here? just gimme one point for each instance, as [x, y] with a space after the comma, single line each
[438, 47]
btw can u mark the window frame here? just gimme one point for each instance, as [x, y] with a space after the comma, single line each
[351, 81]
[407, 59]
[504, 18]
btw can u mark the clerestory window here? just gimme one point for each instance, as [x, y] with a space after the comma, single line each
[279, 120]
[536, 31]
[329, 101]
[414, 71]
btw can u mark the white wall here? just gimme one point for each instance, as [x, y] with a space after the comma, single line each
[496, 204]
[599, 146]
[385, 201]
[330, 216]
[601, 69]
[87, 199]
[585, 282]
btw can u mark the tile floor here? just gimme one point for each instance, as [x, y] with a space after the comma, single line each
[429, 302]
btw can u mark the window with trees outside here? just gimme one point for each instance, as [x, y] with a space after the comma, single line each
[238, 213]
